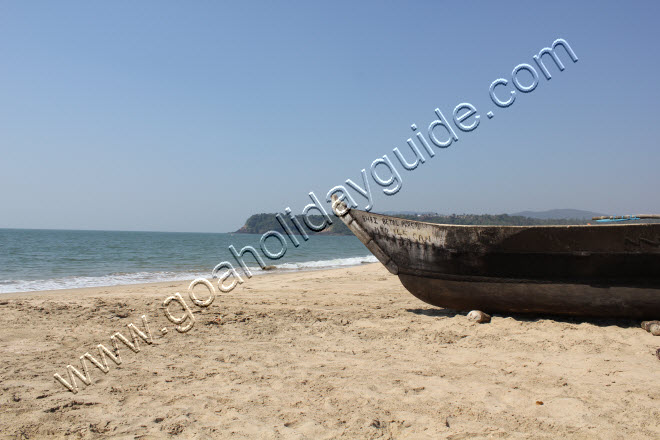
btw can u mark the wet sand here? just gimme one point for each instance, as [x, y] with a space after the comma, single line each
[344, 353]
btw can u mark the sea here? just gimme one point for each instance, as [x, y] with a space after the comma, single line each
[35, 259]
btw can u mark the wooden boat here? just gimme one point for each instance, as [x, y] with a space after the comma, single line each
[602, 270]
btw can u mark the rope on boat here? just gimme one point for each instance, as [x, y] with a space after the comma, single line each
[623, 218]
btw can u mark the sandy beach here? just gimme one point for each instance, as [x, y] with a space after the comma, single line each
[344, 353]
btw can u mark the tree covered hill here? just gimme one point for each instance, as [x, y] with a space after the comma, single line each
[261, 223]
[560, 213]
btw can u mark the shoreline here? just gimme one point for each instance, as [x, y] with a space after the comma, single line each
[256, 271]
[167, 284]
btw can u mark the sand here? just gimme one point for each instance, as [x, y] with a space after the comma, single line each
[344, 353]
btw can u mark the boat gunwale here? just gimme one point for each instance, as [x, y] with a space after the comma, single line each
[498, 226]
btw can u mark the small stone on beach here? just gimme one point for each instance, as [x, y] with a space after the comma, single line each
[646, 325]
[479, 316]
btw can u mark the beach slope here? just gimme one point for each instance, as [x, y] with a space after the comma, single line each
[344, 353]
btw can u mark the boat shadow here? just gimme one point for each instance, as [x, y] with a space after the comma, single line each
[600, 322]
[435, 311]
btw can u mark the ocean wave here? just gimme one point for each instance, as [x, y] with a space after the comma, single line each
[116, 279]
[327, 264]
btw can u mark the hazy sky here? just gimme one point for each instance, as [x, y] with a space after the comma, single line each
[190, 116]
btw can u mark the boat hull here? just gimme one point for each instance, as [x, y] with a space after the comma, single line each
[581, 270]
[511, 296]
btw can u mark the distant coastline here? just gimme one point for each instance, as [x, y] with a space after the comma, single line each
[264, 222]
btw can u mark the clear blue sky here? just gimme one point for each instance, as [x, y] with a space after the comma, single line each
[190, 116]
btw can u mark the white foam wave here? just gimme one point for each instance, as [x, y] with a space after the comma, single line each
[73, 282]
[327, 264]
